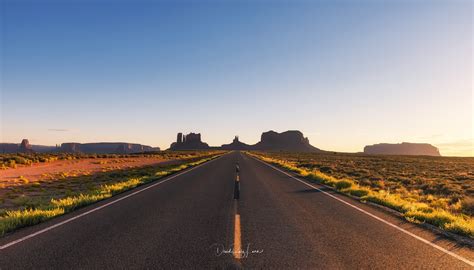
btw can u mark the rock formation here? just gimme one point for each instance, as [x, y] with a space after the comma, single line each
[236, 145]
[420, 149]
[292, 140]
[180, 138]
[25, 146]
[192, 141]
[192, 138]
[70, 147]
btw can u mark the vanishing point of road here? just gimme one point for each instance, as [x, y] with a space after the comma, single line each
[198, 219]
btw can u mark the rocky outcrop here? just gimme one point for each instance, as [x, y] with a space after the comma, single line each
[25, 146]
[179, 138]
[236, 145]
[70, 147]
[405, 148]
[292, 140]
[192, 141]
[192, 138]
[105, 148]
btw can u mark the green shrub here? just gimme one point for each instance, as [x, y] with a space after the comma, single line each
[467, 205]
[343, 184]
[322, 178]
[21, 160]
[438, 218]
[12, 164]
[358, 192]
[121, 186]
[71, 203]
[461, 226]
[162, 173]
[391, 201]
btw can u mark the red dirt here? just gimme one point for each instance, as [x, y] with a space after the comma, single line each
[42, 171]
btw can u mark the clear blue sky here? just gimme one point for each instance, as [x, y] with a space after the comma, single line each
[346, 73]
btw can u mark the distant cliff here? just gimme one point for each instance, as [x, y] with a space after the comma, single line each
[9, 148]
[88, 148]
[106, 148]
[420, 149]
[44, 148]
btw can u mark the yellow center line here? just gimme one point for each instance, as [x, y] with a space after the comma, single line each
[237, 241]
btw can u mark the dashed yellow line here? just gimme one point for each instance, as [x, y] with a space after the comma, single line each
[237, 238]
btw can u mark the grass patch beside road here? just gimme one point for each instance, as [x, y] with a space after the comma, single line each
[18, 219]
[42, 211]
[417, 206]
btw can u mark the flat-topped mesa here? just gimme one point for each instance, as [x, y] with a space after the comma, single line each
[192, 141]
[405, 148]
[291, 140]
[70, 147]
[9, 148]
[105, 148]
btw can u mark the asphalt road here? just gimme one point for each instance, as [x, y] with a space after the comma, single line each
[193, 221]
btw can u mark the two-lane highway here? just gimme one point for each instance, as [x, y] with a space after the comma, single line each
[193, 221]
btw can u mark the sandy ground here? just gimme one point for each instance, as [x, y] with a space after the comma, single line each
[51, 170]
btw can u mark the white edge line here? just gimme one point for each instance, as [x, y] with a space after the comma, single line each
[374, 216]
[100, 207]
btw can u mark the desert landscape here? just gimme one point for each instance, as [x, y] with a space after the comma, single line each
[421, 185]
[236, 134]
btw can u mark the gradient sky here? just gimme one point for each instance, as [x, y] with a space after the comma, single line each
[345, 73]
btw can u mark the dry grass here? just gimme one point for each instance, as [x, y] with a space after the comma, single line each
[437, 191]
[17, 219]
